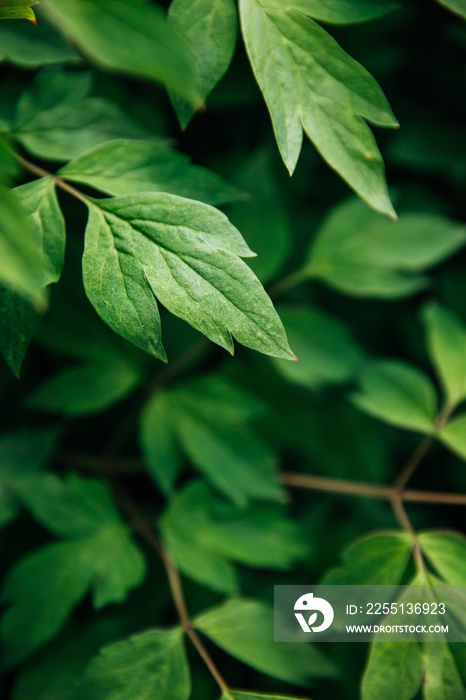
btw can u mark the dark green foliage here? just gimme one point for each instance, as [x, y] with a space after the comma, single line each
[147, 215]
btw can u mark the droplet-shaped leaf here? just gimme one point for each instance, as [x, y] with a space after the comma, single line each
[398, 394]
[123, 167]
[185, 254]
[209, 28]
[147, 666]
[446, 342]
[329, 97]
[244, 629]
[107, 31]
[361, 253]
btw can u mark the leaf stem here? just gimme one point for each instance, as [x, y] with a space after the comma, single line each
[40, 172]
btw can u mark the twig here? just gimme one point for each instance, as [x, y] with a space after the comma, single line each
[144, 527]
[40, 172]
[413, 463]
[365, 490]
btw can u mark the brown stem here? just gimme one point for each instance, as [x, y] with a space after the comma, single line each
[40, 172]
[365, 490]
[144, 527]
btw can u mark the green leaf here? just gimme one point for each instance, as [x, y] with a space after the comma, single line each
[34, 45]
[329, 98]
[446, 342]
[20, 269]
[124, 167]
[199, 526]
[147, 666]
[158, 442]
[22, 454]
[47, 584]
[456, 6]
[394, 671]
[185, 254]
[130, 36]
[262, 218]
[18, 317]
[209, 28]
[252, 465]
[446, 551]
[244, 629]
[360, 253]
[378, 559]
[398, 394]
[85, 390]
[453, 435]
[55, 118]
[445, 676]
[17, 9]
[327, 353]
[345, 11]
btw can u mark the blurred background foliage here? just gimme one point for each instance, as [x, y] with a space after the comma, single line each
[198, 444]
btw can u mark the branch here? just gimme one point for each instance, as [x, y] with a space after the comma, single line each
[361, 489]
[40, 172]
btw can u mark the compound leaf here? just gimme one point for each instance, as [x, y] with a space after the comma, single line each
[209, 28]
[185, 254]
[244, 629]
[122, 167]
[361, 253]
[328, 97]
[398, 394]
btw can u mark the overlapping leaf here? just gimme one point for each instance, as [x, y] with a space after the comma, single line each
[185, 254]
[309, 83]
[17, 9]
[121, 167]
